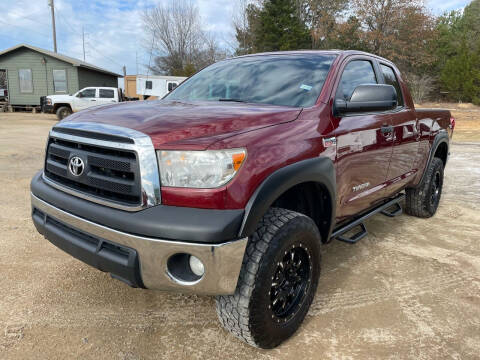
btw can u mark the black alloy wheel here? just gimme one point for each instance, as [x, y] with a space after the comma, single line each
[290, 283]
[436, 189]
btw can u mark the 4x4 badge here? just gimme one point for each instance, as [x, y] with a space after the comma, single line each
[76, 166]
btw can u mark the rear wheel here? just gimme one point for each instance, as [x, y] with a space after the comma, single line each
[63, 112]
[423, 201]
[277, 282]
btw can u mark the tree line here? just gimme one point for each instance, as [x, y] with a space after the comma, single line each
[439, 56]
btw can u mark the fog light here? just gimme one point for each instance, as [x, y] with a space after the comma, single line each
[196, 266]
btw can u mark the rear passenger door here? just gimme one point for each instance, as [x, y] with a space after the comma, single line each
[364, 147]
[405, 135]
[105, 96]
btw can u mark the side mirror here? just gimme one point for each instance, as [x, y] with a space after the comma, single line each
[365, 98]
[79, 95]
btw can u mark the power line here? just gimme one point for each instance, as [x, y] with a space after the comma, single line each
[23, 28]
[85, 42]
[29, 17]
[63, 20]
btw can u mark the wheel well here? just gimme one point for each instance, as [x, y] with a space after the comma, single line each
[442, 152]
[311, 199]
[56, 106]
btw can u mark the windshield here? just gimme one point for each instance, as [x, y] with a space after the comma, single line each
[288, 80]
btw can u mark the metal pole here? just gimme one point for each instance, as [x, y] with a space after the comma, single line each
[83, 42]
[136, 62]
[52, 6]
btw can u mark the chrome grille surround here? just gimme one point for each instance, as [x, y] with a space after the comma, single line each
[123, 139]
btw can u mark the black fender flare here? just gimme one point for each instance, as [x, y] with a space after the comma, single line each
[320, 170]
[441, 137]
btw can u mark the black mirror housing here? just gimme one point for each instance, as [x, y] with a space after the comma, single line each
[365, 98]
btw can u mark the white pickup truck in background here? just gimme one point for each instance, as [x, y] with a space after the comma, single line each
[64, 105]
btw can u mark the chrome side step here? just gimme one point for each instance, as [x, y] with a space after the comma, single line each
[359, 222]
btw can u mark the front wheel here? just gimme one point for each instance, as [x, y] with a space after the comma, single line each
[277, 282]
[63, 112]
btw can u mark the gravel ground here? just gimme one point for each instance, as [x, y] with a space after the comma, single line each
[411, 289]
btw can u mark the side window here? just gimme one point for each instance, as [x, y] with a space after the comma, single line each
[88, 93]
[357, 72]
[107, 93]
[391, 79]
[148, 85]
[26, 83]
[60, 80]
[172, 85]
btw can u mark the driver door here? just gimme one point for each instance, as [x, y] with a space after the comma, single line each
[364, 145]
[85, 99]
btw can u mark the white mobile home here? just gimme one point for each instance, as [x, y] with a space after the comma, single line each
[156, 85]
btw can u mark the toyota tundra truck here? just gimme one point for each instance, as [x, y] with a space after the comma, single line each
[230, 184]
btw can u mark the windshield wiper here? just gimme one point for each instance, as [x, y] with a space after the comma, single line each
[233, 100]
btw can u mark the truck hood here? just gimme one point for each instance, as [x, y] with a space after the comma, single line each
[191, 125]
[60, 98]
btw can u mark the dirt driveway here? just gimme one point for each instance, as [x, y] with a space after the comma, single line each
[411, 289]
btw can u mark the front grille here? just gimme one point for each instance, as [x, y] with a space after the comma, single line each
[108, 174]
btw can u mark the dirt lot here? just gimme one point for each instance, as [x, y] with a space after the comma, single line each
[411, 289]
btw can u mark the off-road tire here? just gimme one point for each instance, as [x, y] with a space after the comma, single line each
[63, 112]
[248, 314]
[419, 200]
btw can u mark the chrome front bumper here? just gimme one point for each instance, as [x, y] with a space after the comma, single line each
[222, 262]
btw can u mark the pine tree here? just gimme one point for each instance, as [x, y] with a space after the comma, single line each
[461, 74]
[279, 28]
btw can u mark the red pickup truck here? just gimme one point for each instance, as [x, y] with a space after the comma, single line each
[230, 184]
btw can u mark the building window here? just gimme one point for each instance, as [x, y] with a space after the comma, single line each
[60, 80]
[172, 85]
[25, 77]
[148, 84]
[107, 94]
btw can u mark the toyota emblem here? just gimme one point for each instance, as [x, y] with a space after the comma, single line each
[76, 166]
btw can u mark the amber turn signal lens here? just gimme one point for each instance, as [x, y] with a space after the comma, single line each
[238, 160]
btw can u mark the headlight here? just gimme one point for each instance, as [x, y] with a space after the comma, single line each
[199, 169]
[49, 101]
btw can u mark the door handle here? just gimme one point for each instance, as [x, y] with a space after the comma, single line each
[386, 129]
[93, 100]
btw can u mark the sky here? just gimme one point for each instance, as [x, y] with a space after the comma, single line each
[113, 28]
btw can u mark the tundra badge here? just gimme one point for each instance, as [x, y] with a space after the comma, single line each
[361, 187]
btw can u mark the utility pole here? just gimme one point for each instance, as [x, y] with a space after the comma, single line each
[136, 61]
[83, 42]
[124, 68]
[52, 6]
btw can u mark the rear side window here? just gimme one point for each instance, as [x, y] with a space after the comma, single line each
[391, 79]
[357, 72]
[107, 94]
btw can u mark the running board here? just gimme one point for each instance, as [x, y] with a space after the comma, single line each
[384, 209]
[392, 213]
